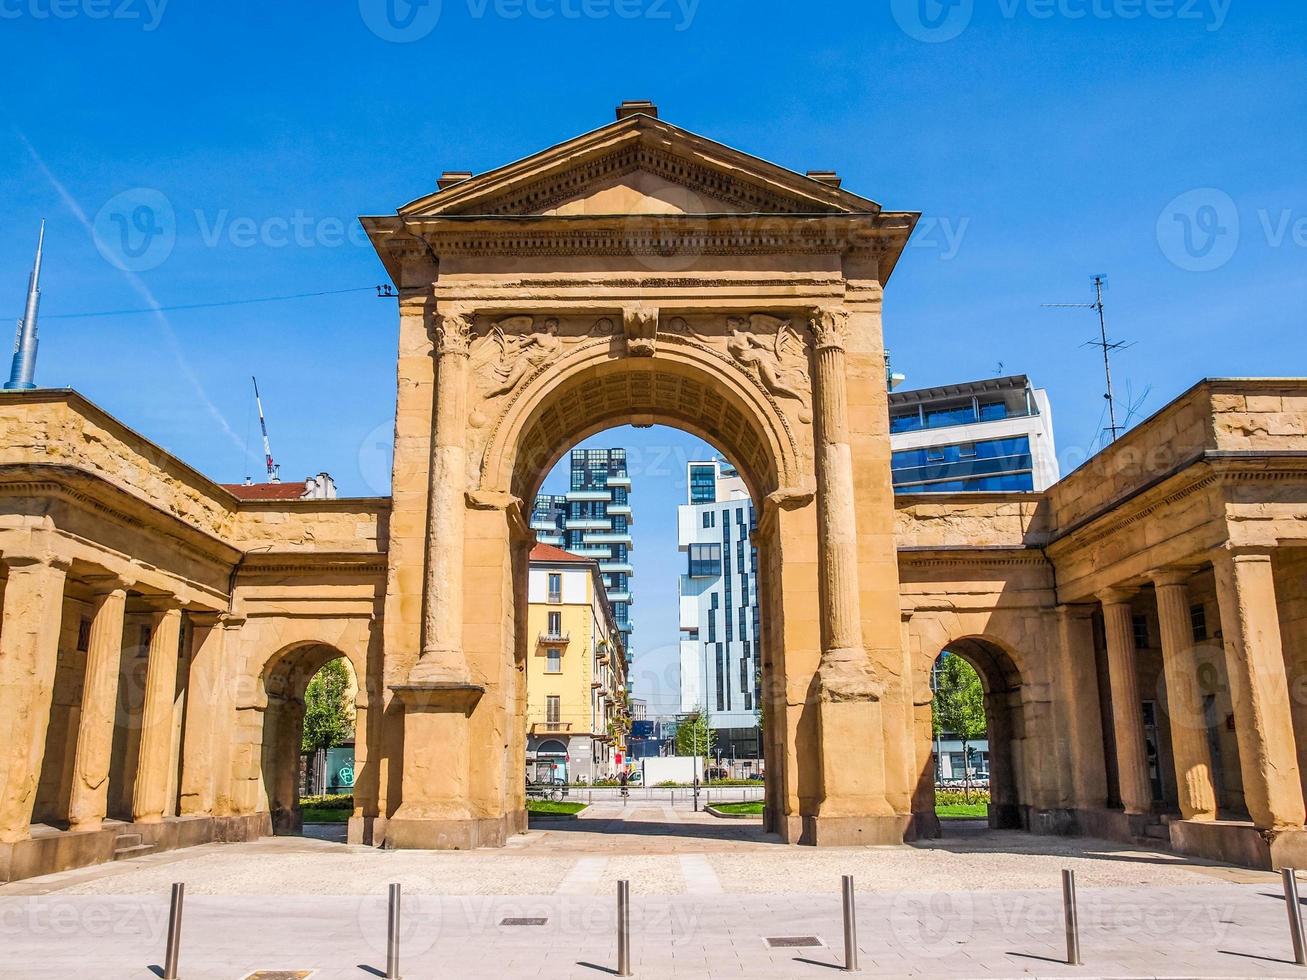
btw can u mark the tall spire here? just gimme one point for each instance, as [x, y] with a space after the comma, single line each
[23, 373]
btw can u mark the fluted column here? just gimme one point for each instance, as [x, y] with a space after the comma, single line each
[29, 652]
[443, 658]
[848, 689]
[150, 803]
[89, 799]
[209, 716]
[1184, 698]
[1127, 708]
[1259, 689]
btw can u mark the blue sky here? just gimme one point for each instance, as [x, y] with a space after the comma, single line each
[1161, 142]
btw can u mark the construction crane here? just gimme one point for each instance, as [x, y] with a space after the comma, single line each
[273, 476]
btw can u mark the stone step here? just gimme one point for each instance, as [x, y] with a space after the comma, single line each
[1157, 831]
[121, 853]
[127, 840]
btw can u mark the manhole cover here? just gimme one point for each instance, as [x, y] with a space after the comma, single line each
[524, 922]
[280, 975]
[792, 942]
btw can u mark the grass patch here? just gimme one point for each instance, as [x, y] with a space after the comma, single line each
[549, 806]
[326, 815]
[752, 807]
[962, 811]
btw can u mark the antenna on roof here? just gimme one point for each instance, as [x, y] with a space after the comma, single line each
[1106, 346]
[273, 476]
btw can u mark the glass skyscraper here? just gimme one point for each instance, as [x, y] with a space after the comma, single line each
[594, 519]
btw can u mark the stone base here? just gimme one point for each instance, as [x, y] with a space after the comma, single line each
[923, 826]
[49, 851]
[369, 831]
[1058, 822]
[822, 831]
[452, 835]
[1239, 842]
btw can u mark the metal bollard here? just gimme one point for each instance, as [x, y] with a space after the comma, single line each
[392, 935]
[623, 928]
[1072, 919]
[850, 927]
[174, 931]
[1290, 879]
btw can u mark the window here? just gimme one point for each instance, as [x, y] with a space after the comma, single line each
[1141, 632]
[555, 624]
[555, 587]
[935, 453]
[993, 411]
[553, 709]
[721, 679]
[907, 421]
[84, 636]
[1198, 620]
[553, 661]
[705, 560]
[967, 450]
[739, 515]
[703, 484]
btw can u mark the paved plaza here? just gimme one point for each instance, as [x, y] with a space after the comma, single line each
[707, 896]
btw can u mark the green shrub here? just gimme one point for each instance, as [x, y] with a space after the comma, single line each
[956, 797]
[338, 801]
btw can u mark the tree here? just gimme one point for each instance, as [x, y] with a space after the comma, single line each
[959, 705]
[328, 714]
[694, 737]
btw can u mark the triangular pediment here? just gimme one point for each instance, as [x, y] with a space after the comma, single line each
[639, 165]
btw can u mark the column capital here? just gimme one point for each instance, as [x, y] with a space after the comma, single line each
[454, 332]
[162, 605]
[1075, 610]
[107, 582]
[830, 327]
[1116, 596]
[1229, 553]
[22, 561]
[1171, 575]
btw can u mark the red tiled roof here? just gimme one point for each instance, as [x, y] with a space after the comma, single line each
[266, 491]
[547, 552]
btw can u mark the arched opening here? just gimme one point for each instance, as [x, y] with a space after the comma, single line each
[668, 521]
[978, 727]
[292, 763]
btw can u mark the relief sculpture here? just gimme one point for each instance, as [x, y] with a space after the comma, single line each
[776, 351]
[512, 351]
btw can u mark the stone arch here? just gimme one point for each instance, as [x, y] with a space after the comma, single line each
[283, 682]
[688, 385]
[1004, 686]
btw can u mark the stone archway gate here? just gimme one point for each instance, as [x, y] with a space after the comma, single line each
[642, 274]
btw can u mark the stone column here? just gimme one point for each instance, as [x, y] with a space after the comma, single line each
[206, 743]
[150, 803]
[1184, 698]
[1127, 708]
[1259, 688]
[853, 796]
[90, 792]
[29, 652]
[439, 695]
[1077, 692]
[443, 659]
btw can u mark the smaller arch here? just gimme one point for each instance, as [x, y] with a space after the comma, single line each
[285, 680]
[1001, 681]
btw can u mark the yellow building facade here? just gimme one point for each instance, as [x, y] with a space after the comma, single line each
[577, 702]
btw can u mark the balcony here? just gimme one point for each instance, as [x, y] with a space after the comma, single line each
[620, 510]
[589, 496]
[555, 639]
[620, 597]
[541, 524]
[619, 481]
[609, 538]
[551, 728]
[616, 567]
[588, 524]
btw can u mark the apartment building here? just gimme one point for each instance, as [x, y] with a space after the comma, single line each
[577, 708]
[719, 645]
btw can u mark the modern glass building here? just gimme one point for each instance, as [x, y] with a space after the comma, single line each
[994, 435]
[593, 519]
[720, 655]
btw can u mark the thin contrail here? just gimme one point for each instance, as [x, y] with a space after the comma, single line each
[144, 291]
